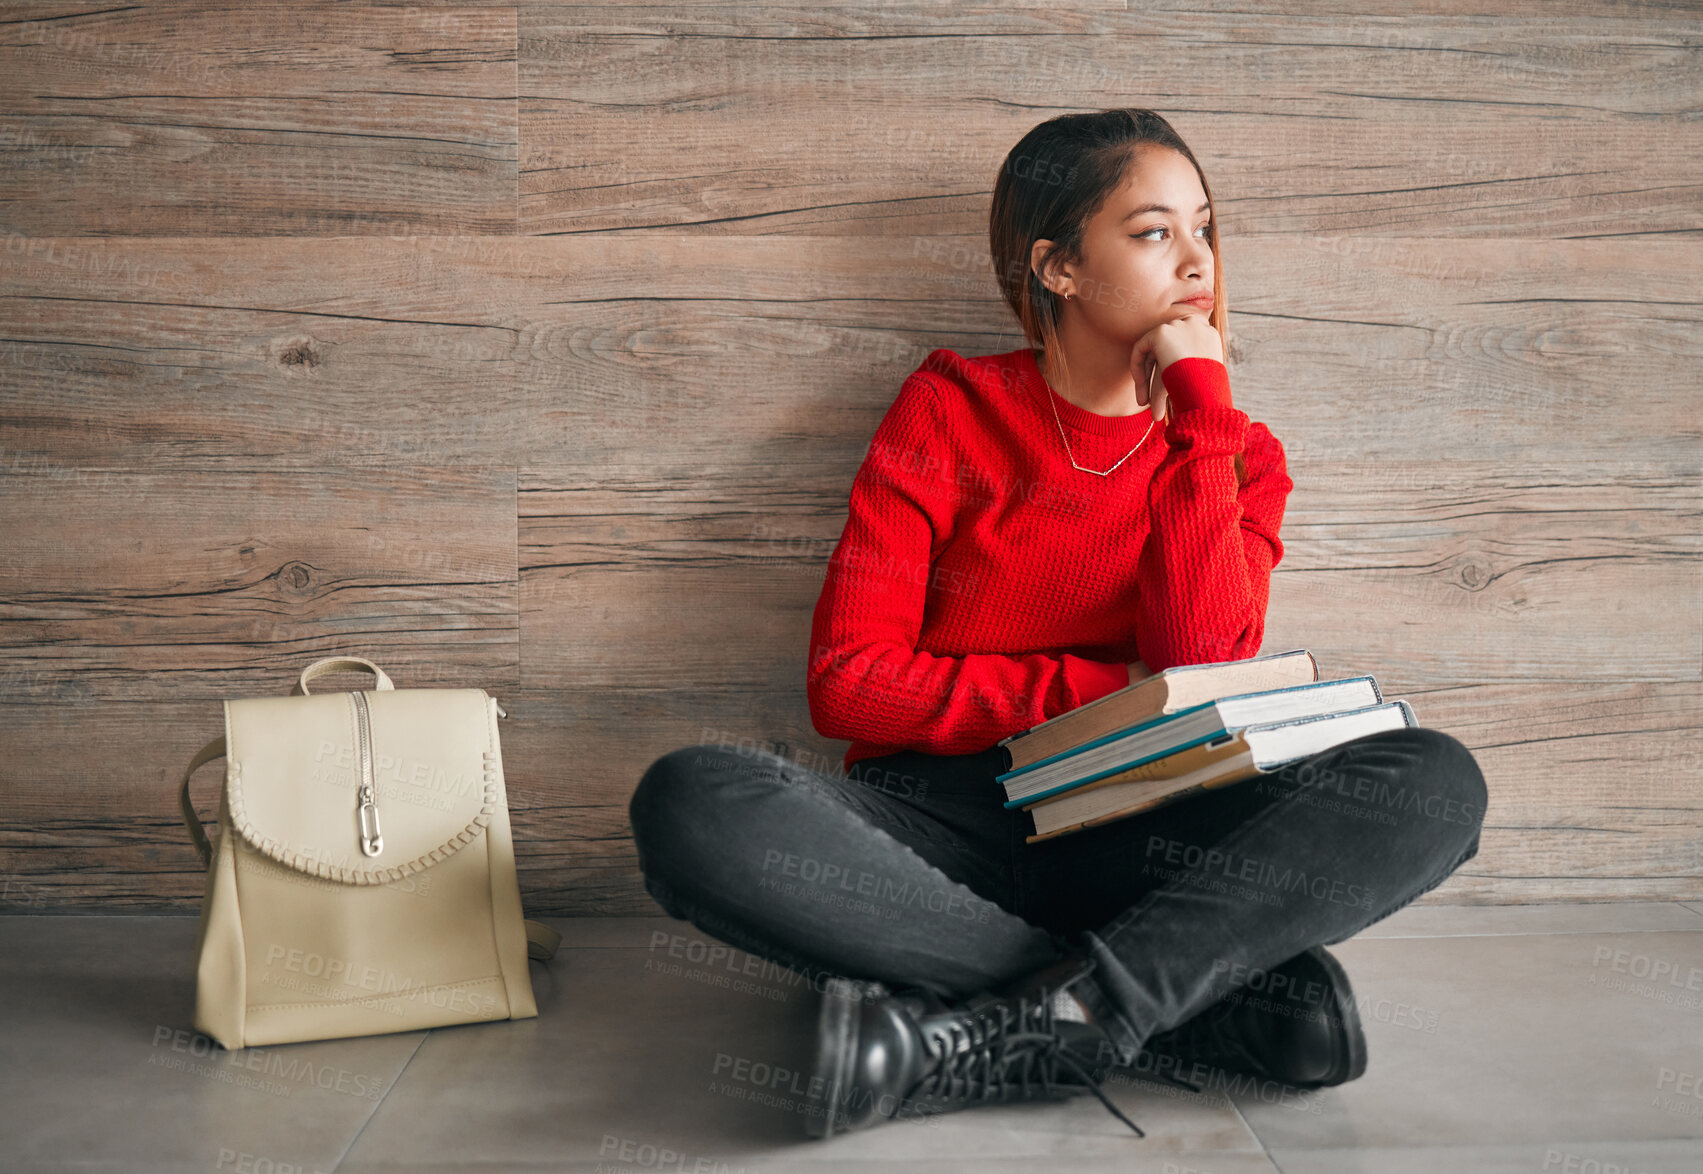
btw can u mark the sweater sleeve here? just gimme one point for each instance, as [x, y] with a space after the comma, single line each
[1205, 570]
[867, 679]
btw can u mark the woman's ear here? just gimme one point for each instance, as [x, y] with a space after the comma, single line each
[1038, 262]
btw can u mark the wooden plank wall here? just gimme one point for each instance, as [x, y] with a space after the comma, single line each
[534, 348]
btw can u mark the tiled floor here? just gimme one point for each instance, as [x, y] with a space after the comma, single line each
[1510, 1039]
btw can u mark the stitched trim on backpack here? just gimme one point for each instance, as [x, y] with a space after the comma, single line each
[303, 862]
[362, 1001]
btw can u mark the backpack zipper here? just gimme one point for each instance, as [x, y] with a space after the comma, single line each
[366, 810]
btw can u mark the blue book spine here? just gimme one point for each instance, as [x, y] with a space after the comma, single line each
[1103, 738]
[1074, 783]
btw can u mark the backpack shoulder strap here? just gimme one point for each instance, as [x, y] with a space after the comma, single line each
[207, 753]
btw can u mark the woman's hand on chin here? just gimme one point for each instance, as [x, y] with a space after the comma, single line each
[1188, 335]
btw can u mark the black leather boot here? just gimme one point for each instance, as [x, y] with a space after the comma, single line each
[1306, 1034]
[885, 1054]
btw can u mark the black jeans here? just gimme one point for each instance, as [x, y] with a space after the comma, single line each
[909, 870]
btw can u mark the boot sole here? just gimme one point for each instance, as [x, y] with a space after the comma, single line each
[1349, 1062]
[835, 1050]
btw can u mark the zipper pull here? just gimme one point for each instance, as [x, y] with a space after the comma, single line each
[372, 843]
[501, 712]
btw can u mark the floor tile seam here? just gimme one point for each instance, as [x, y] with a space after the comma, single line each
[396, 1080]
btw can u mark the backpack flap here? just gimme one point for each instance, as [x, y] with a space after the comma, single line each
[362, 788]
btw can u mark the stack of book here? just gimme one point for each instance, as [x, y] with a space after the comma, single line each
[1178, 732]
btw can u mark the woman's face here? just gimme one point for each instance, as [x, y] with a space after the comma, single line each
[1144, 250]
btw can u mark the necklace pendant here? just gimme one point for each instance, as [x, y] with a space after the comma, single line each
[1072, 456]
[1048, 392]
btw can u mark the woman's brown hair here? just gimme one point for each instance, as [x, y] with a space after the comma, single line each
[1049, 187]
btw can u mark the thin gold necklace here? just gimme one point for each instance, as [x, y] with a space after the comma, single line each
[1066, 439]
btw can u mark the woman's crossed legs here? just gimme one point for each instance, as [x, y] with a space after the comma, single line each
[910, 871]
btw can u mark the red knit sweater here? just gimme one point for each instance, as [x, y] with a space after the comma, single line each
[982, 584]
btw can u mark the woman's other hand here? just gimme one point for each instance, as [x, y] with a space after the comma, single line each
[1188, 334]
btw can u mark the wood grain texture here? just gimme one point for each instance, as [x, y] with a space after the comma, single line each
[1480, 125]
[626, 353]
[126, 586]
[1593, 787]
[534, 348]
[191, 120]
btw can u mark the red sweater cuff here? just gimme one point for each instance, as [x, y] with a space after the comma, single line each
[1197, 382]
[1098, 678]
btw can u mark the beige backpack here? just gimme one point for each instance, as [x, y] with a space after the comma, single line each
[363, 880]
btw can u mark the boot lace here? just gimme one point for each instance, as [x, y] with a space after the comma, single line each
[992, 1051]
